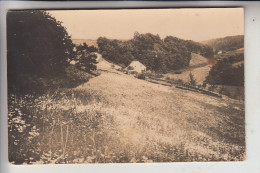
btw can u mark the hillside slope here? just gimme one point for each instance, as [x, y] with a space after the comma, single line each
[151, 121]
[198, 67]
[197, 61]
[117, 118]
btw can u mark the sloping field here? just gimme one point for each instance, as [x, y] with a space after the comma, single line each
[105, 65]
[158, 123]
[197, 60]
[115, 118]
[198, 67]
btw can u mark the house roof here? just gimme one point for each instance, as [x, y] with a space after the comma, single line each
[136, 62]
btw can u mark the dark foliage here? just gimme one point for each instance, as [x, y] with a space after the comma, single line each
[38, 47]
[229, 43]
[193, 81]
[156, 54]
[141, 76]
[86, 58]
[199, 48]
[226, 73]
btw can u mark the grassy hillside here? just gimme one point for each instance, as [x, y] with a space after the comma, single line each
[229, 43]
[197, 61]
[117, 118]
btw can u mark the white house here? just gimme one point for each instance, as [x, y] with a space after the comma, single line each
[136, 66]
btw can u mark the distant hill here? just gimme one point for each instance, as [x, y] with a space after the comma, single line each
[229, 43]
[89, 42]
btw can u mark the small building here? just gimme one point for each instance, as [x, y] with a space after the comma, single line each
[136, 66]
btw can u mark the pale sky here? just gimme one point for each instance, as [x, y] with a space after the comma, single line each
[190, 24]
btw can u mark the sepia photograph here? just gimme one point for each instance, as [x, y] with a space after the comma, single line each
[125, 85]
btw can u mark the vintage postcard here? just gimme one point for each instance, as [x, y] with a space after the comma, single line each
[126, 85]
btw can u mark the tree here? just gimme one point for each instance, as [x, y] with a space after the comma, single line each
[38, 46]
[192, 80]
[86, 58]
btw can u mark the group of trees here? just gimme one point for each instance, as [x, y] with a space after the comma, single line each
[40, 47]
[226, 73]
[160, 55]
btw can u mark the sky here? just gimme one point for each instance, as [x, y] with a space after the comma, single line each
[190, 24]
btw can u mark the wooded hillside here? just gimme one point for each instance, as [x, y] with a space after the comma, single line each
[160, 55]
[229, 43]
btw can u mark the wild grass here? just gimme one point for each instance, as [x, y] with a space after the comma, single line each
[72, 126]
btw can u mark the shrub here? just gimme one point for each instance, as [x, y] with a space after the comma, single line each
[141, 76]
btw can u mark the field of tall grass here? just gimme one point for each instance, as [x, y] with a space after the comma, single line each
[96, 123]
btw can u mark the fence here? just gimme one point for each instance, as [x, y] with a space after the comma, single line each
[182, 85]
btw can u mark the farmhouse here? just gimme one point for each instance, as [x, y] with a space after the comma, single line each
[136, 66]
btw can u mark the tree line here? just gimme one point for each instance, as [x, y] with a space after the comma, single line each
[159, 55]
